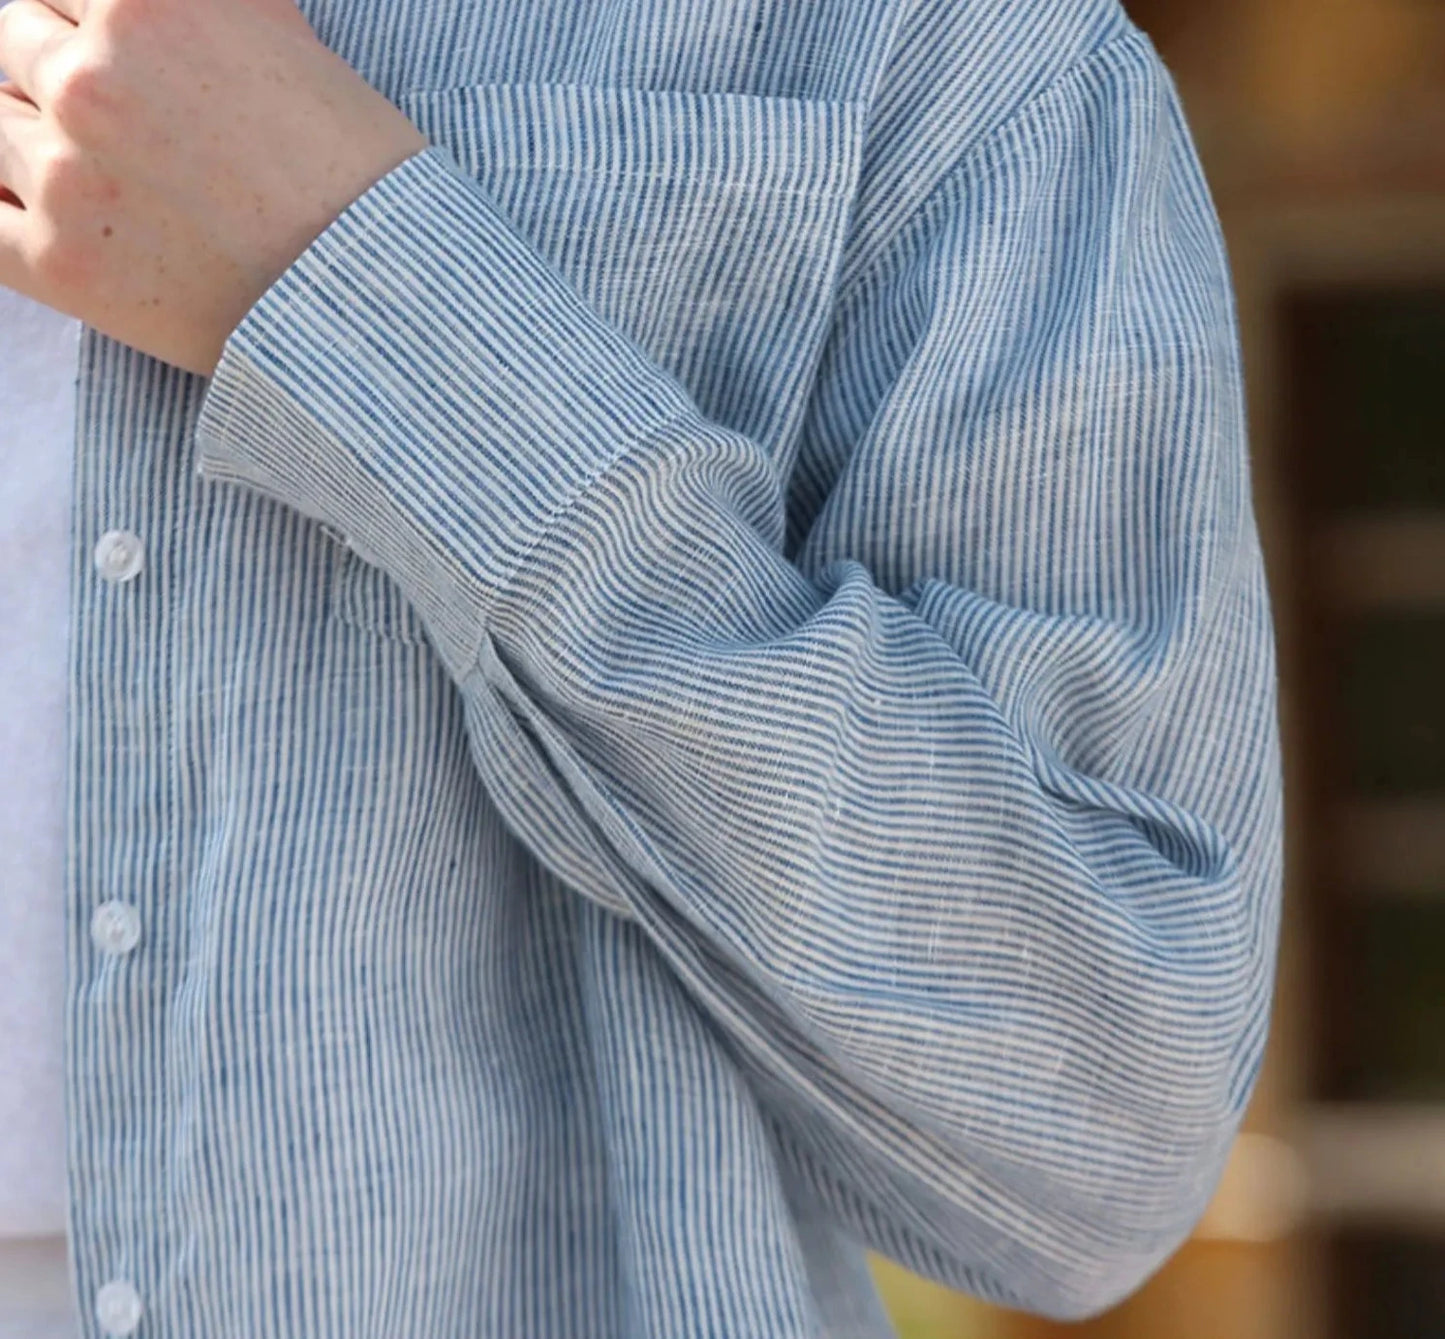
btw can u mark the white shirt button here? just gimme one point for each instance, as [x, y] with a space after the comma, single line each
[119, 555]
[115, 927]
[117, 1307]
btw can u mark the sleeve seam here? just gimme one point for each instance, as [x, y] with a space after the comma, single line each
[565, 505]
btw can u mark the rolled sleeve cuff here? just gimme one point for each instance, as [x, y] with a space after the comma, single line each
[423, 381]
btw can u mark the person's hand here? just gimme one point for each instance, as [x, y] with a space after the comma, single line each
[163, 161]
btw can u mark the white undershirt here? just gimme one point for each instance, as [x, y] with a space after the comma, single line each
[38, 351]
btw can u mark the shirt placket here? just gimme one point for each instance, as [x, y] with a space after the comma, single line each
[133, 489]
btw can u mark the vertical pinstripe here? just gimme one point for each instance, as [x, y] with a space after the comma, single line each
[701, 697]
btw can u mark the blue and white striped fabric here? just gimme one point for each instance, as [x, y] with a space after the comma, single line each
[701, 698]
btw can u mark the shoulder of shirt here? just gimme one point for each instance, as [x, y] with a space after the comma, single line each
[957, 71]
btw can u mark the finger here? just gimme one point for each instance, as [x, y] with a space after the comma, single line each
[12, 90]
[17, 118]
[13, 100]
[30, 34]
[12, 263]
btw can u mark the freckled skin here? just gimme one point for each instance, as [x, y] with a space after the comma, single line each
[159, 117]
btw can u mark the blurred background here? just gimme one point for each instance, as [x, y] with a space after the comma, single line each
[1322, 128]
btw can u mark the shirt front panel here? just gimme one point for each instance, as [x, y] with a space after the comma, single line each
[362, 1066]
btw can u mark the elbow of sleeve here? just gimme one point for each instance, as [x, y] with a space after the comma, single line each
[1069, 1225]
[1107, 1203]
[1169, 1092]
[1101, 1275]
[1111, 1271]
[1104, 1245]
[1165, 1152]
[1066, 1256]
[1154, 1176]
[1049, 1119]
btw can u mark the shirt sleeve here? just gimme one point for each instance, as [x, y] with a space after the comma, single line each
[958, 809]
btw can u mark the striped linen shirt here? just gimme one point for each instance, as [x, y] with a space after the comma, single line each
[694, 697]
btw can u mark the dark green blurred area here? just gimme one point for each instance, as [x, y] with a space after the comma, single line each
[1392, 679]
[1391, 1286]
[1367, 373]
[1375, 415]
[1391, 1046]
